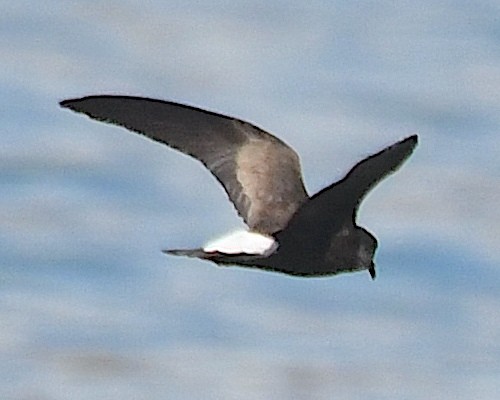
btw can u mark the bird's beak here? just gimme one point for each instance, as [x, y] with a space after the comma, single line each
[371, 270]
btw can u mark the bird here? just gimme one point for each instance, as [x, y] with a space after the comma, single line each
[289, 231]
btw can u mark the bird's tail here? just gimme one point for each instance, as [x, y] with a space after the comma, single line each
[196, 253]
[218, 257]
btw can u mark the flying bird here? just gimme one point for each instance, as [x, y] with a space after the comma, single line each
[289, 231]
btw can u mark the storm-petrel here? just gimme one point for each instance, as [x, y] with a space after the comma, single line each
[289, 231]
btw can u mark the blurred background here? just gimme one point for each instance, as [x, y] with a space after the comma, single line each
[89, 306]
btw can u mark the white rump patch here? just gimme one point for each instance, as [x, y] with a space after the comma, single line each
[242, 242]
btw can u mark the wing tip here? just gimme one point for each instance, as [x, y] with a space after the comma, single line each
[402, 149]
[66, 103]
[412, 141]
[72, 104]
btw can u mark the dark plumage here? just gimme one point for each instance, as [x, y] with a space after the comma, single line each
[313, 236]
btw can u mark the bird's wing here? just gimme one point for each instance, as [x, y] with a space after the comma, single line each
[334, 208]
[367, 173]
[259, 172]
[350, 191]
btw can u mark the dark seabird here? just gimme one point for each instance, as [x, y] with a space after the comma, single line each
[289, 231]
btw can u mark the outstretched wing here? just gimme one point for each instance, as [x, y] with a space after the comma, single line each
[259, 172]
[334, 208]
[370, 171]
